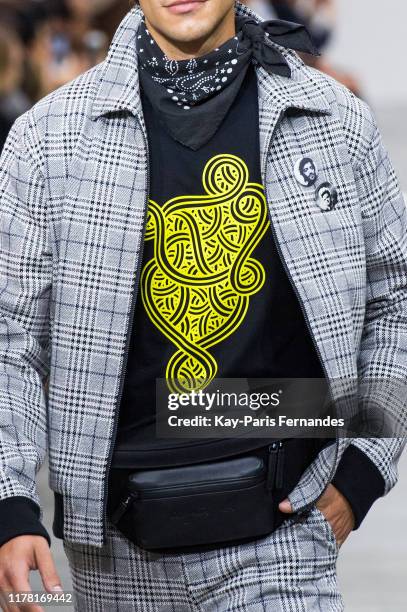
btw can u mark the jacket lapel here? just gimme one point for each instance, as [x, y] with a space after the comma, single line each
[119, 89]
[289, 113]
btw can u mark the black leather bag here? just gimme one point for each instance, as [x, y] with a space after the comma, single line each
[195, 505]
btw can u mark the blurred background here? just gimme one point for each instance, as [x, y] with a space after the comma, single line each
[46, 43]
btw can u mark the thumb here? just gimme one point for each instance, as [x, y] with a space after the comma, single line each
[47, 569]
[285, 506]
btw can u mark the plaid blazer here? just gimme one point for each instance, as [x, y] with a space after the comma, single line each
[73, 197]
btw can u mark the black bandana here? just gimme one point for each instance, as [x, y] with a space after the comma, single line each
[193, 96]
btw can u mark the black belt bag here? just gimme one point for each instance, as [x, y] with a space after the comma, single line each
[202, 504]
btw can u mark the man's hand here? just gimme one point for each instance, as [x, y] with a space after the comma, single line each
[18, 557]
[336, 509]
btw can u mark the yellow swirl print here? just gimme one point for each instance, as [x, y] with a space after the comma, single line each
[197, 286]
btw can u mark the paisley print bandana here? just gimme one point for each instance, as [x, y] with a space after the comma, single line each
[193, 96]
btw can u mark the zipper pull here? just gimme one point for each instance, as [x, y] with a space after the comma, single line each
[280, 467]
[122, 508]
[272, 465]
[275, 474]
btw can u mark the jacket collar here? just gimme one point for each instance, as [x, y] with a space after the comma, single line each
[118, 88]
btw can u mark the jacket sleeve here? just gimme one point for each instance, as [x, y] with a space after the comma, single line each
[25, 286]
[382, 363]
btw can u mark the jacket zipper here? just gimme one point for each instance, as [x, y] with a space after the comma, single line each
[128, 339]
[299, 298]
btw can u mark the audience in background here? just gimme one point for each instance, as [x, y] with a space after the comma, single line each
[13, 101]
[61, 38]
[72, 39]
[320, 17]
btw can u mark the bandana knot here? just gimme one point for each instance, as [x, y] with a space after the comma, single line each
[258, 37]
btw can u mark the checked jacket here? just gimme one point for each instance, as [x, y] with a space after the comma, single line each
[73, 198]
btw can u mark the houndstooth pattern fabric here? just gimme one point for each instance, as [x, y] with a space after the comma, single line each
[73, 197]
[292, 570]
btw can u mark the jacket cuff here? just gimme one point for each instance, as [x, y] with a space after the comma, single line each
[359, 480]
[20, 516]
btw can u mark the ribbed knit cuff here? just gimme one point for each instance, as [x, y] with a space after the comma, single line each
[20, 516]
[359, 480]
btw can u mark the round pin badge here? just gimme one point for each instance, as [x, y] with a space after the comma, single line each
[327, 196]
[305, 171]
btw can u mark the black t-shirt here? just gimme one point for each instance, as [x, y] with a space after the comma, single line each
[214, 299]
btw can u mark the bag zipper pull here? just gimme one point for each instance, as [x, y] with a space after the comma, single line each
[280, 467]
[122, 507]
[275, 466]
[272, 464]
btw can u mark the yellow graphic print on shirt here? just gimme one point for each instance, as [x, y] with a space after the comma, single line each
[197, 286]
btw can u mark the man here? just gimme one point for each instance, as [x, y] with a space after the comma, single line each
[306, 172]
[327, 197]
[199, 116]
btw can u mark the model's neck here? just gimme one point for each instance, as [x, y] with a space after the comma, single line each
[186, 50]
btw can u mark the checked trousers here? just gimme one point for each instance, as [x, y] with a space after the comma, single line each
[291, 570]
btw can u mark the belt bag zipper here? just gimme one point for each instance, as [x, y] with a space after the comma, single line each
[275, 475]
[203, 487]
[184, 489]
[122, 507]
